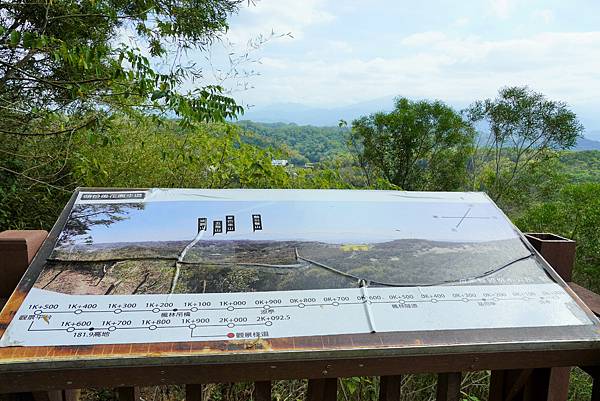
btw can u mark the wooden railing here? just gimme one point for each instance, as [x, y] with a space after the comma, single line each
[17, 248]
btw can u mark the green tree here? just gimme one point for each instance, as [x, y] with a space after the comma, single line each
[520, 128]
[63, 66]
[142, 153]
[68, 69]
[574, 214]
[420, 145]
[540, 182]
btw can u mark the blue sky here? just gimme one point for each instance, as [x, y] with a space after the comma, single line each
[334, 222]
[345, 52]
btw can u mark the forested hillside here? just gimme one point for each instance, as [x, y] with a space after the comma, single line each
[306, 143]
[587, 144]
[583, 166]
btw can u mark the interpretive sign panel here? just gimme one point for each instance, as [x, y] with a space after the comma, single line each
[159, 265]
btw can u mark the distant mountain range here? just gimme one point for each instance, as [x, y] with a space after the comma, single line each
[321, 117]
[587, 144]
[330, 117]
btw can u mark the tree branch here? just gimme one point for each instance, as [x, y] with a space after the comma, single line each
[73, 129]
[33, 179]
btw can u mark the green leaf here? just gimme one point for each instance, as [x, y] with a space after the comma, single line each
[15, 38]
[158, 95]
[28, 40]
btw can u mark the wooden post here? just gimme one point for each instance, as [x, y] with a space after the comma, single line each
[448, 386]
[596, 385]
[559, 384]
[558, 251]
[72, 394]
[262, 391]
[322, 390]
[538, 387]
[17, 249]
[508, 385]
[497, 386]
[193, 392]
[128, 394]
[389, 388]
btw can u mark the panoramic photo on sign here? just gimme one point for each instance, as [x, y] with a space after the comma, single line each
[200, 265]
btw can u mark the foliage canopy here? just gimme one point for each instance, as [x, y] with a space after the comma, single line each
[70, 68]
[420, 145]
[65, 64]
[520, 127]
[575, 214]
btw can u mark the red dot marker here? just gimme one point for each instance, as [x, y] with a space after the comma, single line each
[230, 335]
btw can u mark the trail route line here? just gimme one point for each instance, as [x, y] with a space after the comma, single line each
[50, 318]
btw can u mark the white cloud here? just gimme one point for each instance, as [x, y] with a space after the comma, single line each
[461, 22]
[339, 46]
[273, 63]
[423, 38]
[501, 8]
[433, 65]
[281, 16]
[546, 15]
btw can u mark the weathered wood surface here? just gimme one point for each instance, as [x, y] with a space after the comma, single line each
[526, 385]
[17, 249]
[558, 251]
[559, 384]
[591, 299]
[448, 386]
[390, 387]
[292, 369]
[262, 391]
[128, 394]
[322, 390]
[596, 385]
[193, 392]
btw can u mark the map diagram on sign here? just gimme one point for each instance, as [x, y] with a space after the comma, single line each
[203, 265]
